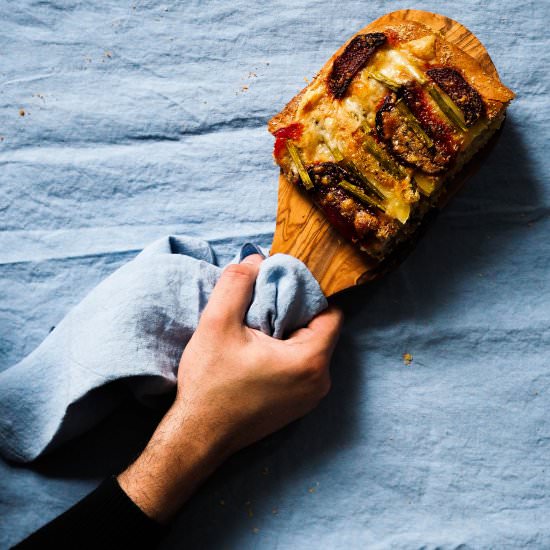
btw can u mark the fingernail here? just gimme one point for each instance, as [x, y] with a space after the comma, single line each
[253, 259]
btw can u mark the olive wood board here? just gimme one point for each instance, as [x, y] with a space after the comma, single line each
[302, 230]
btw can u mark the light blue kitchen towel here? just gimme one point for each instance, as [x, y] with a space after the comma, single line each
[132, 328]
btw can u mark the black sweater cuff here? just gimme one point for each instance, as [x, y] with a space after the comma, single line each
[107, 518]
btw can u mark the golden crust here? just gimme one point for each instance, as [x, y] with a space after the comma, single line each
[495, 95]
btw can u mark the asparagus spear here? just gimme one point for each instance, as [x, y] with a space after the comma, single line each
[413, 123]
[383, 79]
[361, 195]
[304, 176]
[447, 106]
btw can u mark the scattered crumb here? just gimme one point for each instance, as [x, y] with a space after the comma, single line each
[306, 80]
[274, 511]
[313, 489]
[252, 75]
[407, 358]
[107, 53]
[244, 88]
[22, 112]
[255, 530]
[222, 502]
[265, 471]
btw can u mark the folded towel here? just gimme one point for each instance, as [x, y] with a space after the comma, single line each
[132, 328]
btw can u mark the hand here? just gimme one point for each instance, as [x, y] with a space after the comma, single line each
[235, 386]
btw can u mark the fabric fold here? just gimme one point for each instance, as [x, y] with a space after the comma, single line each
[133, 327]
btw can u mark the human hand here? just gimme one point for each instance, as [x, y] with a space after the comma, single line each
[240, 384]
[235, 386]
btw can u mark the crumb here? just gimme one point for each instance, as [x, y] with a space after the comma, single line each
[313, 489]
[252, 75]
[222, 502]
[244, 88]
[265, 471]
[407, 358]
[306, 80]
[1, 138]
[255, 530]
[107, 53]
[22, 112]
[274, 511]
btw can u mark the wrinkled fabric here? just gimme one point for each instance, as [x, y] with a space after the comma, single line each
[145, 119]
[133, 327]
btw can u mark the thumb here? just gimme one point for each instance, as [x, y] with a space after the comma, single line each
[232, 294]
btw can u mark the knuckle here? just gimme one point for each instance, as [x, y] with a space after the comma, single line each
[239, 271]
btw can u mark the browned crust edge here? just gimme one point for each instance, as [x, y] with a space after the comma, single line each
[495, 94]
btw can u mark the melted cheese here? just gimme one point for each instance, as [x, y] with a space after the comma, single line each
[397, 65]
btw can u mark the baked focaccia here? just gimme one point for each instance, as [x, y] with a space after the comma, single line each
[389, 120]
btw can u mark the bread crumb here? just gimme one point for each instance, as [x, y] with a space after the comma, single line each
[255, 530]
[313, 488]
[222, 502]
[265, 471]
[107, 53]
[275, 511]
[22, 112]
[407, 358]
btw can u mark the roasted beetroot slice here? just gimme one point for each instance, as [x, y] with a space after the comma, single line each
[356, 55]
[466, 98]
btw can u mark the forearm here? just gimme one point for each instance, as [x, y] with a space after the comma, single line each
[181, 454]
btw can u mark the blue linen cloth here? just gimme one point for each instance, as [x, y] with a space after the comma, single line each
[143, 119]
[133, 327]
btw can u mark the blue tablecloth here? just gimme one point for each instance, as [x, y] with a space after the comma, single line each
[125, 121]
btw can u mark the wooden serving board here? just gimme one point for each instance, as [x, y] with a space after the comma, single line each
[302, 230]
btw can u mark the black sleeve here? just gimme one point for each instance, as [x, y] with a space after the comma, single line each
[107, 518]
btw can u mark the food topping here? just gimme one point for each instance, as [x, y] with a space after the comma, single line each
[464, 96]
[294, 132]
[356, 55]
